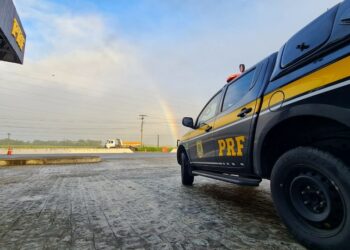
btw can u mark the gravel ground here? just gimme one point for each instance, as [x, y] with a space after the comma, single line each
[133, 203]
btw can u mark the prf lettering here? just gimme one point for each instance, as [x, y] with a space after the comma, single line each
[231, 146]
[18, 34]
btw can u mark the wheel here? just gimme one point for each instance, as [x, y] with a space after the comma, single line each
[186, 174]
[311, 192]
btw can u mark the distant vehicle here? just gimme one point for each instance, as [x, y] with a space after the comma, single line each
[113, 143]
[286, 119]
[118, 143]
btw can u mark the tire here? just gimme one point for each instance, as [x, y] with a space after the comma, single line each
[186, 173]
[311, 192]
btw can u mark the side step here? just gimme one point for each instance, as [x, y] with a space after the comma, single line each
[244, 181]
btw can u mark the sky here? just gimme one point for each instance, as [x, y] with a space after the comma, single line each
[92, 67]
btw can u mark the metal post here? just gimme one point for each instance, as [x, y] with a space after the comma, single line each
[142, 117]
[158, 141]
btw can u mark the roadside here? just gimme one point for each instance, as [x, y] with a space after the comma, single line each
[22, 161]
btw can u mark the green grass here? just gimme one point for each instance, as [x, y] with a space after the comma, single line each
[152, 149]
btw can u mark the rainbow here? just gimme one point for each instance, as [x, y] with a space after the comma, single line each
[170, 117]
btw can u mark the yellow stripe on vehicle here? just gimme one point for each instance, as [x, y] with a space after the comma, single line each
[196, 132]
[321, 78]
[232, 117]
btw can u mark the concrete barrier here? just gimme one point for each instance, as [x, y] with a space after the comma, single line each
[49, 161]
[44, 151]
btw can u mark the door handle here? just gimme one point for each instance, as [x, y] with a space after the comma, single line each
[345, 20]
[207, 129]
[244, 112]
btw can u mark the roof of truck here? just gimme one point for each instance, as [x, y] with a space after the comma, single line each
[326, 32]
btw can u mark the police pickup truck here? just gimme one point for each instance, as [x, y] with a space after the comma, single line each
[286, 119]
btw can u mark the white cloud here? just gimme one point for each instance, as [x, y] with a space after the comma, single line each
[79, 68]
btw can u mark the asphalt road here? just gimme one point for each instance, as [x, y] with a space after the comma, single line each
[133, 203]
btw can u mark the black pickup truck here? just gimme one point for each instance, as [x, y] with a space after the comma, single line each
[286, 119]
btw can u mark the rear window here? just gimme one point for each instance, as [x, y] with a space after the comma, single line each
[309, 38]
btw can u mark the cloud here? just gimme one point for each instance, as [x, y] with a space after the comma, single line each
[97, 70]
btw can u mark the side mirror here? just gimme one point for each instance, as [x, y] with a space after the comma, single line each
[187, 122]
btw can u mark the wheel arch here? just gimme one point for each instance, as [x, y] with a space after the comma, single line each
[294, 128]
[181, 149]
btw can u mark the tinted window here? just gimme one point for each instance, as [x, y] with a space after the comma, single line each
[309, 38]
[237, 90]
[210, 110]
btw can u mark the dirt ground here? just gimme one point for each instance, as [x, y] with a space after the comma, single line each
[133, 203]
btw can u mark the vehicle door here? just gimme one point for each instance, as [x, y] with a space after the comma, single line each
[233, 126]
[202, 147]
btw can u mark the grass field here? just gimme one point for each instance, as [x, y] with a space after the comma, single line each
[153, 149]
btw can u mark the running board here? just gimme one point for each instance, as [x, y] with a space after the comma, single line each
[244, 181]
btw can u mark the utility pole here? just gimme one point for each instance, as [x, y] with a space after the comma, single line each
[9, 150]
[157, 141]
[142, 117]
